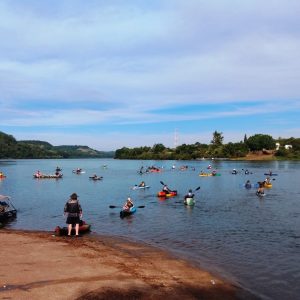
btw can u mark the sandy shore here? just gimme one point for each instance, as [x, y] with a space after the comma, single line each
[38, 265]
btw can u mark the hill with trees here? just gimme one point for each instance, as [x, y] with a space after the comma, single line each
[12, 149]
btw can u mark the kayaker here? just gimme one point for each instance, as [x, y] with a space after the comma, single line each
[234, 171]
[142, 184]
[248, 184]
[260, 190]
[73, 211]
[128, 204]
[166, 189]
[190, 194]
[267, 180]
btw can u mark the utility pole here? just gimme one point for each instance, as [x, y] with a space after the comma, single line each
[175, 138]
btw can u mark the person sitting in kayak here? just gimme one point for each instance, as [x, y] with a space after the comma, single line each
[248, 184]
[166, 189]
[142, 184]
[260, 190]
[234, 171]
[214, 173]
[128, 204]
[190, 195]
[267, 181]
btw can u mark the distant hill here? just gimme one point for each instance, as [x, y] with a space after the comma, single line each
[11, 148]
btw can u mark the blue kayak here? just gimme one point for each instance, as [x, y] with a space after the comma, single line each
[125, 213]
[272, 174]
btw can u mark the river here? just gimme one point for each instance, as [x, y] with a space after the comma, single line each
[253, 241]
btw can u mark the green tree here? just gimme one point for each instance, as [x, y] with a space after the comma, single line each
[259, 142]
[217, 139]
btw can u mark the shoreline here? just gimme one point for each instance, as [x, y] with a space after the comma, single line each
[37, 264]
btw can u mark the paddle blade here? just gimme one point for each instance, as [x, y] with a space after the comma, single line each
[142, 206]
[198, 188]
[112, 206]
[162, 183]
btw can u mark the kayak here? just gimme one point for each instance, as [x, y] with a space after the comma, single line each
[189, 201]
[83, 228]
[7, 210]
[136, 187]
[78, 172]
[205, 174]
[48, 176]
[268, 185]
[272, 174]
[125, 213]
[96, 178]
[168, 195]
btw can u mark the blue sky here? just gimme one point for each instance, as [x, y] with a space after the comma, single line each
[109, 74]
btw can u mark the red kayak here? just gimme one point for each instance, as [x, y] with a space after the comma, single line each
[167, 195]
[83, 228]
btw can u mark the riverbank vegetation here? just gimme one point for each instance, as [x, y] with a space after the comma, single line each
[256, 147]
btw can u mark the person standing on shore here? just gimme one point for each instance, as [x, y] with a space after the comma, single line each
[73, 211]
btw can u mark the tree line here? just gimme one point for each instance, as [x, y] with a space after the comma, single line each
[10, 148]
[217, 149]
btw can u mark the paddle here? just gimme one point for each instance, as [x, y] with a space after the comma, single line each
[197, 189]
[114, 206]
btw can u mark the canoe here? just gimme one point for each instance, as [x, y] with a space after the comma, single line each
[50, 176]
[136, 187]
[189, 201]
[164, 194]
[83, 228]
[125, 213]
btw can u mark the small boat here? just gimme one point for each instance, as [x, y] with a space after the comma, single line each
[83, 228]
[125, 213]
[136, 187]
[167, 195]
[270, 174]
[2, 176]
[96, 177]
[189, 201]
[78, 171]
[268, 185]
[7, 210]
[205, 174]
[47, 176]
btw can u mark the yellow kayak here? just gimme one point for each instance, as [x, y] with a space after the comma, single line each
[205, 174]
[268, 185]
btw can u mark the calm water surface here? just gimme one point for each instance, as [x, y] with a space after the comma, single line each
[253, 241]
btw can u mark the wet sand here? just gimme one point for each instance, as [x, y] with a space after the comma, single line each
[39, 265]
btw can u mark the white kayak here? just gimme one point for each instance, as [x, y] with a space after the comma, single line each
[136, 187]
[189, 201]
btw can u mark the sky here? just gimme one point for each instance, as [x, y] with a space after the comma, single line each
[109, 74]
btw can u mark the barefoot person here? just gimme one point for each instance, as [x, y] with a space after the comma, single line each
[73, 211]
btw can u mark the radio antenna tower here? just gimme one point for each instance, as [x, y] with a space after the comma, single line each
[175, 138]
